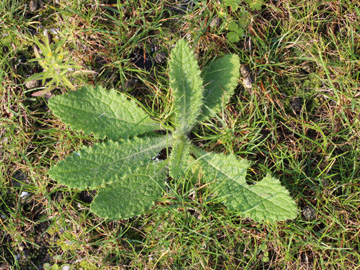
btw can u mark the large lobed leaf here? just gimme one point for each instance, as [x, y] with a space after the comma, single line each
[106, 162]
[105, 113]
[132, 195]
[220, 79]
[187, 86]
[267, 200]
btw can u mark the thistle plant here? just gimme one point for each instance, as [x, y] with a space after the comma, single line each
[57, 66]
[123, 169]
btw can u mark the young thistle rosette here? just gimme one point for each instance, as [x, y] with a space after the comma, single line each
[123, 169]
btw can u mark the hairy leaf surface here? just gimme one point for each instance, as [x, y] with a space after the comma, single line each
[267, 200]
[105, 113]
[106, 162]
[220, 79]
[128, 179]
[187, 86]
[132, 195]
[179, 157]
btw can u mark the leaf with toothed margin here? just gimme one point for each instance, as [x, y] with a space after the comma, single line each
[187, 86]
[179, 157]
[128, 179]
[106, 162]
[220, 80]
[133, 194]
[267, 200]
[103, 113]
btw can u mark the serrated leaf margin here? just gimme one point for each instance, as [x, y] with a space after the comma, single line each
[102, 112]
[92, 167]
[132, 195]
[187, 86]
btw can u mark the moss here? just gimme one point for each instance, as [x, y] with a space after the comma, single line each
[86, 265]
[312, 82]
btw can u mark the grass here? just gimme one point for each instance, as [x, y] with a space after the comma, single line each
[299, 121]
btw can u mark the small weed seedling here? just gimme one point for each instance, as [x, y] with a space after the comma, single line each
[123, 168]
[253, 4]
[236, 27]
[57, 67]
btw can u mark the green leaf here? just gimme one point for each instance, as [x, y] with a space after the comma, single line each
[234, 4]
[105, 113]
[267, 200]
[179, 157]
[132, 195]
[220, 79]
[66, 82]
[186, 83]
[39, 59]
[245, 18]
[255, 4]
[106, 162]
[34, 77]
[240, 32]
[232, 37]
[233, 26]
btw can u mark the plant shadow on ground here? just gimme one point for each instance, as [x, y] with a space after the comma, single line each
[299, 121]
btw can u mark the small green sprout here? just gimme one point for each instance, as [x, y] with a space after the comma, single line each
[57, 66]
[235, 33]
